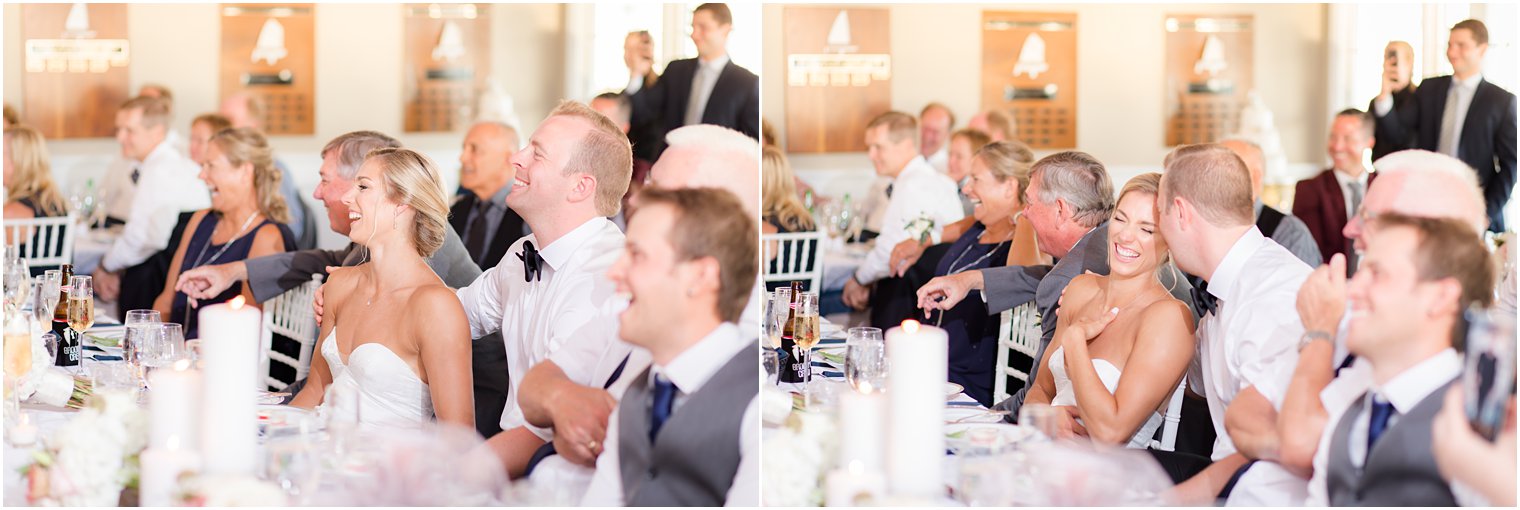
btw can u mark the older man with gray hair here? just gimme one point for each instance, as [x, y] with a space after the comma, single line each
[1069, 202]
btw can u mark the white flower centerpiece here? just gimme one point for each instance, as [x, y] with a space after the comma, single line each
[797, 455]
[92, 457]
[230, 490]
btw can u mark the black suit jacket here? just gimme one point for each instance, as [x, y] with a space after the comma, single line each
[1488, 136]
[510, 230]
[1384, 143]
[734, 103]
[1319, 202]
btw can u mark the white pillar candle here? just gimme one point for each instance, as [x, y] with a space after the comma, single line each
[23, 434]
[919, 359]
[175, 395]
[161, 468]
[853, 486]
[862, 429]
[230, 358]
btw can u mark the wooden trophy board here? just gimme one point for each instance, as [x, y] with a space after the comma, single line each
[838, 76]
[448, 57]
[1209, 61]
[269, 50]
[75, 68]
[1029, 68]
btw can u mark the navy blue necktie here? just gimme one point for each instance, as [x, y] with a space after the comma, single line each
[1381, 411]
[664, 398]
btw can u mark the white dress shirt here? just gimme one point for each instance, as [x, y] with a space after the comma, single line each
[940, 160]
[1346, 181]
[150, 221]
[1337, 397]
[117, 189]
[569, 315]
[1251, 340]
[1404, 391]
[689, 371]
[918, 191]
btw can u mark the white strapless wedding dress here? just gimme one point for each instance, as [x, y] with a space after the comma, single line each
[1109, 374]
[390, 395]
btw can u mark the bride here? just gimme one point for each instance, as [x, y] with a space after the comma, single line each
[395, 336]
[1107, 324]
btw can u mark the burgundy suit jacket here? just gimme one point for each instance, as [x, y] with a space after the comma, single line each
[1319, 202]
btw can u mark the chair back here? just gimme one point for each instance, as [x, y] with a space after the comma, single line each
[792, 257]
[43, 241]
[290, 315]
[1020, 332]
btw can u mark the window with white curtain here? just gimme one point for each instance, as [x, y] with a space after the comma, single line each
[596, 33]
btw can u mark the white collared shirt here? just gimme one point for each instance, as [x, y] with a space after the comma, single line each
[1404, 391]
[151, 218]
[1346, 181]
[689, 371]
[1252, 341]
[940, 160]
[918, 191]
[569, 315]
[1337, 397]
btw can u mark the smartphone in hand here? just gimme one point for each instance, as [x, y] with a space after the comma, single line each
[1488, 378]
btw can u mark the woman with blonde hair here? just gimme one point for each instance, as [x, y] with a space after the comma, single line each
[29, 188]
[1112, 323]
[780, 209]
[393, 334]
[246, 219]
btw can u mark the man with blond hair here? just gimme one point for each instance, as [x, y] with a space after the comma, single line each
[550, 297]
[142, 127]
[920, 200]
[1249, 325]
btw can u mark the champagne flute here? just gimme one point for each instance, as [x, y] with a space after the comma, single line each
[773, 320]
[81, 304]
[52, 280]
[18, 281]
[18, 344]
[805, 334]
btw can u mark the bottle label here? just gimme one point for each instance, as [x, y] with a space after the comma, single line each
[72, 352]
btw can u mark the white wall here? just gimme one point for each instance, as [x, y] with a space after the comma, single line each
[936, 56]
[358, 78]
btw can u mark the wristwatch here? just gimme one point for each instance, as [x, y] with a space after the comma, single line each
[1310, 336]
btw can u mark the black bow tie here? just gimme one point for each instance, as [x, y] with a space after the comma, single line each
[1204, 301]
[533, 263]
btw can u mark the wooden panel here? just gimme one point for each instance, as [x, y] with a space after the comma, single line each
[1209, 61]
[1029, 68]
[839, 76]
[448, 57]
[269, 50]
[74, 77]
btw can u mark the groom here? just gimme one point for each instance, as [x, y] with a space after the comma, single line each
[550, 297]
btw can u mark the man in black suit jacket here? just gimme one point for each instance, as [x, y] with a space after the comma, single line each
[708, 89]
[1479, 129]
[481, 217]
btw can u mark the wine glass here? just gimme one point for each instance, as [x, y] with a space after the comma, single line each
[52, 280]
[865, 360]
[771, 360]
[18, 279]
[81, 304]
[775, 316]
[805, 334]
[159, 346]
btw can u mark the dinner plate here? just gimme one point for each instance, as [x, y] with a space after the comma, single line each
[960, 437]
[274, 417]
[964, 414]
[952, 390]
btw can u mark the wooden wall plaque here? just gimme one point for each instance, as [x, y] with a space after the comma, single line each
[269, 50]
[838, 76]
[75, 68]
[448, 58]
[1209, 62]
[1029, 68]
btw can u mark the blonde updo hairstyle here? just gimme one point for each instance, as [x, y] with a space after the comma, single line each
[247, 146]
[412, 179]
[1008, 159]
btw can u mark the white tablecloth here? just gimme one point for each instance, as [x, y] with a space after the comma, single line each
[90, 246]
[840, 263]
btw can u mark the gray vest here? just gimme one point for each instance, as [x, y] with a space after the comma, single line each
[1400, 470]
[693, 460]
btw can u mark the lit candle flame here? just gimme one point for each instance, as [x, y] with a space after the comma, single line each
[182, 365]
[910, 325]
[236, 303]
[865, 387]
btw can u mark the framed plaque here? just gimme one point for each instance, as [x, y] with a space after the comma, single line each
[1029, 68]
[75, 68]
[838, 76]
[269, 50]
[448, 57]
[1209, 74]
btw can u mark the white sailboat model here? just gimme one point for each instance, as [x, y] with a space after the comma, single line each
[1212, 61]
[271, 44]
[77, 24]
[450, 43]
[1031, 58]
[839, 34]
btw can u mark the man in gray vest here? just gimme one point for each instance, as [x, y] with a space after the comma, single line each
[1419, 275]
[273, 275]
[686, 432]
